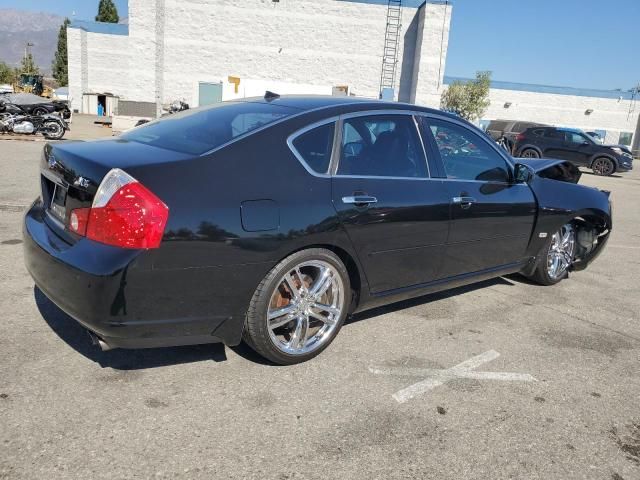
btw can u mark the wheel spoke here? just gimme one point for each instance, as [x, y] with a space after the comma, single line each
[300, 333]
[291, 285]
[326, 308]
[280, 316]
[327, 320]
[322, 284]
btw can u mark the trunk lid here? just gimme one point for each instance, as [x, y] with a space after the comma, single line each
[72, 171]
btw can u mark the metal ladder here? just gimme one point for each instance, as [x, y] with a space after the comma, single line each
[391, 42]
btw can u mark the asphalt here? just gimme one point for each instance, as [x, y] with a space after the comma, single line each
[70, 411]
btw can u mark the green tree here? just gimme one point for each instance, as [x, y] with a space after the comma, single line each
[28, 64]
[6, 73]
[107, 12]
[59, 65]
[468, 99]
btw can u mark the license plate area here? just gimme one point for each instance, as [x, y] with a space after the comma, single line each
[57, 207]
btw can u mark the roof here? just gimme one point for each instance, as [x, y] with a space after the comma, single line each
[312, 102]
[101, 27]
[529, 87]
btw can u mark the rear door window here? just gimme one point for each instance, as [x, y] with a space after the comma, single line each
[200, 130]
[382, 146]
[314, 147]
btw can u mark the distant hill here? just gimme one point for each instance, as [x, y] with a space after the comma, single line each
[17, 27]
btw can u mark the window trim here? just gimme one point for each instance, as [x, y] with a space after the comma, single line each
[291, 138]
[367, 113]
[508, 161]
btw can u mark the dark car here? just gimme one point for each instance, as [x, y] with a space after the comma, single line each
[272, 219]
[59, 107]
[575, 146]
[508, 129]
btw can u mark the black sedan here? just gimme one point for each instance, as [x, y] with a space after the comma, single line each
[272, 219]
[43, 108]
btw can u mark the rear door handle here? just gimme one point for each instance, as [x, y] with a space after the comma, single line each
[359, 200]
[464, 202]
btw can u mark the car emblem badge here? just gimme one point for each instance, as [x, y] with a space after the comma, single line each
[51, 161]
[81, 182]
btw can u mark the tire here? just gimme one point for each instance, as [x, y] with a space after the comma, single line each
[603, 166]
[295, 333]
[561, 245]
[57, 130]
[529, 153]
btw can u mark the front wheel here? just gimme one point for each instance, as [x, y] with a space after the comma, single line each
[530, 153]
[299, 307]
[603, 166]
[556, 256]
[52, 130]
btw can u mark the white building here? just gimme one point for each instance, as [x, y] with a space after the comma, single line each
[205, 51]
[211, 50]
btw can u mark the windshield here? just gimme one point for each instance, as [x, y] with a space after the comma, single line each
[200, 130]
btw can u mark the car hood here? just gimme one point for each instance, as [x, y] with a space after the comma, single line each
[538, 164]
[553, 169]
[624, 148]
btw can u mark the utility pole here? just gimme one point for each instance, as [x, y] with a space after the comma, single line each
[27, 53]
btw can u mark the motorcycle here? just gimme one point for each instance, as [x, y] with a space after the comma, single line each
[51, 127]
[174, 107]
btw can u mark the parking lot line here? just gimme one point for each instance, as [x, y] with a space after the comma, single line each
[437, 377]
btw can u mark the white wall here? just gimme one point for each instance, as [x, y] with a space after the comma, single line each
[311, 42]
[98, 63]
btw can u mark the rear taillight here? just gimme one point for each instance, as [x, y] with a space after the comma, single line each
[124, 213]
[519, 137]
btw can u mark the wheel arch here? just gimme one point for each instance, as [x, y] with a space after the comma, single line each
[357, 279]
[529, 146]
[595, 156]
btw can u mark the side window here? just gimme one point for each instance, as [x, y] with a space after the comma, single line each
[382, 146]
[466, 156]
[575, 138]
[555, 135]
[314, 147]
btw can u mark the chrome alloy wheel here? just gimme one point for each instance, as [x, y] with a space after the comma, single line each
[305, 308]
[561, 251]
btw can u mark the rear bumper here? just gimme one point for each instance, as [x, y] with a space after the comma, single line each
[116, 294]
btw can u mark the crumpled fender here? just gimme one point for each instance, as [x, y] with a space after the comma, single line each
[560, 200]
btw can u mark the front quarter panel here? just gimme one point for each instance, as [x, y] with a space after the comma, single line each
[561, 202]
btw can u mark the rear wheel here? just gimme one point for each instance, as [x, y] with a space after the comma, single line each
[603, 166]
[556, 256]
[299, 307]
[52, 130]
[530, 153]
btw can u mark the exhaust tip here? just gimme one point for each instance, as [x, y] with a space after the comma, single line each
[95, 340]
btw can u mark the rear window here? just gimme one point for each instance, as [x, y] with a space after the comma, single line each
[203, 129]
[522, 126]
[497, 125]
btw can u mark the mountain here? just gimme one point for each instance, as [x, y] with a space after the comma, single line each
[17, 27]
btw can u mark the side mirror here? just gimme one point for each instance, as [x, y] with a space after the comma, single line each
[585, 143]
[522, 173]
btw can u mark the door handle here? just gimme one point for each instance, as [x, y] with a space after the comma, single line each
[464, 202]
[359, 200]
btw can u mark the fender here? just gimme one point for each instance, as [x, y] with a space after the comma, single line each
[561, 200]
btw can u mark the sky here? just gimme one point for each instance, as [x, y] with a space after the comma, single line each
[575, 43]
